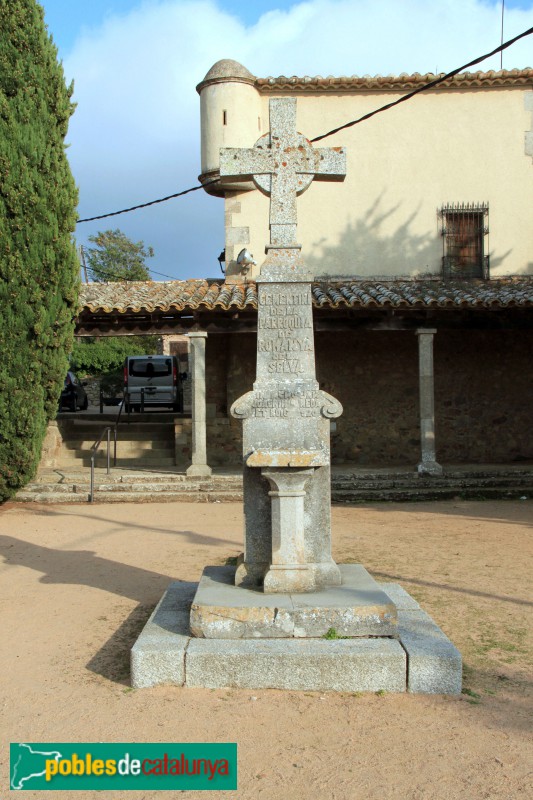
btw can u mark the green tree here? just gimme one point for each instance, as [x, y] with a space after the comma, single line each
[106, 354]
[39, 271]
[117, 258]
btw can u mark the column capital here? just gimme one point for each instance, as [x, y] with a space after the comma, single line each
[197, 334]
[420, 331]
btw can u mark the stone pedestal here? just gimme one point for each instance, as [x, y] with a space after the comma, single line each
[421, 660]
[272, 621]
[288, 570]
[286, 420]
[358, 607]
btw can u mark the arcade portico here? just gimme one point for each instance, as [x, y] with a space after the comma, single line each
[367, 355]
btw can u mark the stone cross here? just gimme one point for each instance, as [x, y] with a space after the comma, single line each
[283, 163]
[286, 418]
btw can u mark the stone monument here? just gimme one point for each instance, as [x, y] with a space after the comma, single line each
[286, 431]
[265, 622]
[286, 416]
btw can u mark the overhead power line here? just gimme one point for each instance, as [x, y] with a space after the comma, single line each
[386, 107]
[145, 205]
[114, 279]
[425, 87]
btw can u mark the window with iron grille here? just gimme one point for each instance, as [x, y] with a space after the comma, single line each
[465, 227]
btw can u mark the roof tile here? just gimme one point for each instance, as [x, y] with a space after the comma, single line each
[216, 294]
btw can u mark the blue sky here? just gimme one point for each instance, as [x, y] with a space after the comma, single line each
[67, 19]
[135, 63]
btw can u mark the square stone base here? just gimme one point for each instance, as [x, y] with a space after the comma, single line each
[421, 660]
[358, 607]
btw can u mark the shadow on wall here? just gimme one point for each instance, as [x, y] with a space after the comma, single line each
[367, 248]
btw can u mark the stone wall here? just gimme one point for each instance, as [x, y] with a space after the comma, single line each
[483, 395]
[216, 367]
[374, 374]
[224, 442]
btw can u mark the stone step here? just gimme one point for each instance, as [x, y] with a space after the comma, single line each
[427, 493]
[433, 483]
[123, 448]
[147, 486]
[145, 461]
[185, 492]
[159, 488]
[175, 478]
[70, 483]
[130, 497]
[123, 435]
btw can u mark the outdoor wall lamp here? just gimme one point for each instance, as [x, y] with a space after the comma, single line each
[245, 260]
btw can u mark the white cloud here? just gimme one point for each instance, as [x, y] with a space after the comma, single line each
[135, 134]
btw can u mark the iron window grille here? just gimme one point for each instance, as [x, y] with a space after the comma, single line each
[464, 227]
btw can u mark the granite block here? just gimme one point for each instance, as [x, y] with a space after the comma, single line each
[401, 599]
[348, 665]
[434, 665]
[358, 607]
[158, 655]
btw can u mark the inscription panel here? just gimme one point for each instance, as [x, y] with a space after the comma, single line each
[285, 347]
[287, 403]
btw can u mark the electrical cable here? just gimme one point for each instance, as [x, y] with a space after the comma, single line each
[107, 275]
[424, 88]
[386, 107]
[113, 278]
[145, 205]
[98, 271]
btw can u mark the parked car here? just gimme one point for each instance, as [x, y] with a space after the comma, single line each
[152, 381]
[73, 395]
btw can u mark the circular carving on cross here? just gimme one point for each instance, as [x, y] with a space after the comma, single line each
[285, 163]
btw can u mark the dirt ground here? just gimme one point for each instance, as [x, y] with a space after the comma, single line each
[78, 582]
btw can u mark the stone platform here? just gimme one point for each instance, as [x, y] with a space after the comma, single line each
[421, 659]
[358, 607]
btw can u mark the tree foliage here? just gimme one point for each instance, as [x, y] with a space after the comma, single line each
[98, 356]
[117, 258]
[39, 273]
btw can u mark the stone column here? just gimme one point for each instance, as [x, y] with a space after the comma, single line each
[288, 571]
[199, 466]
[428, 464]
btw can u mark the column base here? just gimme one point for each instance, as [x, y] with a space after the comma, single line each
[250, 575]
[327, 574]
[429, 468]
[199, 471]
[289, 578]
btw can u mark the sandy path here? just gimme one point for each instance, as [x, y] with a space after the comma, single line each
[77, 583]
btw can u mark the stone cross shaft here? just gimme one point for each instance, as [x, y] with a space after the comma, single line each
[282, 164]
[286, 417]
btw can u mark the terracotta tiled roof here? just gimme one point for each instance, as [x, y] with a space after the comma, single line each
[388, 83]
[215, 294]
[440, 294]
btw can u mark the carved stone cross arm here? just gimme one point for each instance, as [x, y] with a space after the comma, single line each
[282, 164]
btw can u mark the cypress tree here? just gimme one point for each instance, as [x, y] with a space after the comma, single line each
[39, 273]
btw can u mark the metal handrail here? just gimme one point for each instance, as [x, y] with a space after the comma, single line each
[96, 445]
[94, 450]
[126, 401]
